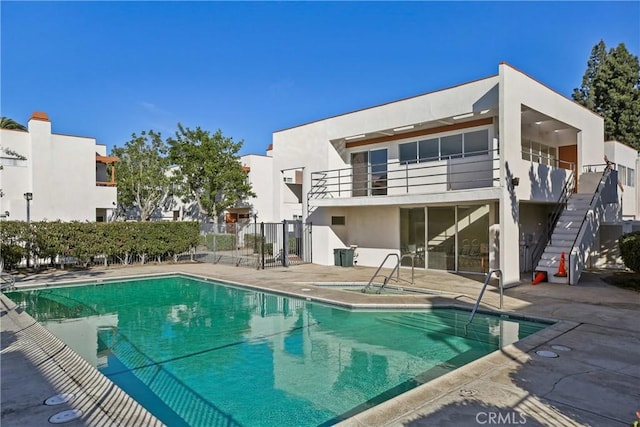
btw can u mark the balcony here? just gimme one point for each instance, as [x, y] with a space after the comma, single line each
[397, 180]
[105, 176]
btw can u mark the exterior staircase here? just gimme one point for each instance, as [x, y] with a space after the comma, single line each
[575, 224]
[564, 236]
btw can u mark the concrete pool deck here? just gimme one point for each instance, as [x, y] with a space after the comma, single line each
[596, 382]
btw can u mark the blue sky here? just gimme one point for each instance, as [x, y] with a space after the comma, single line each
[108, 69]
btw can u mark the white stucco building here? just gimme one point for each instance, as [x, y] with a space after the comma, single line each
[259, 170]
[463, 179]
[66, 175]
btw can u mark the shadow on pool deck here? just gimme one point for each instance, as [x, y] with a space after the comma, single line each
[594, 383]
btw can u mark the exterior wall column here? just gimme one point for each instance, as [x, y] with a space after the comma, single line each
[510, 135]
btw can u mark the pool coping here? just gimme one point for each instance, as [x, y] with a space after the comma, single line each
[100, 400]
[397, 407]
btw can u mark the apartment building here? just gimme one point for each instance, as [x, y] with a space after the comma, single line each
[51, 176]
[463, 179]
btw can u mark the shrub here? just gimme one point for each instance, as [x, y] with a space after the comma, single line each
[630, 250]
[87, 240]
[13, 240]
[251, 239]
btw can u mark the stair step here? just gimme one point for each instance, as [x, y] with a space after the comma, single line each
[563, 235]
[568, 223]
[573, 213]
[568, 226]
[561, 243]
[581, 196]
[557, 250]
[553, 257]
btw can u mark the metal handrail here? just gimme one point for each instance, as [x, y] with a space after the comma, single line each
[380, 268]
[7, 281]
[396, 175]
[396, 269]
[567, 191]
[596, 195]
[484, 286]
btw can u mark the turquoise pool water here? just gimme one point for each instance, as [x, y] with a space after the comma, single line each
[199, 353]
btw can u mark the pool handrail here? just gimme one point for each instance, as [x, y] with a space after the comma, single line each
[484, 286]
[396, 270]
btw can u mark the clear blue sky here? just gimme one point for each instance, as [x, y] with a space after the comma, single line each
[108, 69]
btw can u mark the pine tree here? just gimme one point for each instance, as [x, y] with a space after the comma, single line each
[611, 88]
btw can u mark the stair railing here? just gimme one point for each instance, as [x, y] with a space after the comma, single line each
[545, 238]
[584, 238]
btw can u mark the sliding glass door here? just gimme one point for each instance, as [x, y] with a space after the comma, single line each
[457, 237]
[473, 238]
[369, 173]
[412, 236]
[360, 174]
[441, 238]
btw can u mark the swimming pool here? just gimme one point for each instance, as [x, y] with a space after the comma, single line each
[200, 353]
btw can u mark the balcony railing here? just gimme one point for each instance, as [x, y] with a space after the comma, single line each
[473, 170]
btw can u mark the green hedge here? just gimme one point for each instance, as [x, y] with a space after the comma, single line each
[13, 238]
[87, 240]
[630, 250]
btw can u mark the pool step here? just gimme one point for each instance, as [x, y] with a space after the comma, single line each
[473, 332]
[454, 324]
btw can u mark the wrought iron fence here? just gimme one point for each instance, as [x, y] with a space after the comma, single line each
[258, 245]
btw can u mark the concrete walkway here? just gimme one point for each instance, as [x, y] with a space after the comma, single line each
[596, 382]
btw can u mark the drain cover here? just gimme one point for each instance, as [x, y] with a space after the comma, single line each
[59, 399]
[467, 392]
[559, 347]
[546, 353]
[65, 416]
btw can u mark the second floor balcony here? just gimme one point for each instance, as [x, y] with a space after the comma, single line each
[400, 178]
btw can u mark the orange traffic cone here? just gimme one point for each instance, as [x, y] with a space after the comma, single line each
[541, 276]
[562, 271]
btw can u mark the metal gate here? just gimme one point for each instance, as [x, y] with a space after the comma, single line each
[284, 243]
[259, 245]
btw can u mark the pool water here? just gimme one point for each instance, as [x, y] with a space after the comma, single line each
[199, 353]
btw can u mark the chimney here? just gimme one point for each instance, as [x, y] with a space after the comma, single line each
[40, 115]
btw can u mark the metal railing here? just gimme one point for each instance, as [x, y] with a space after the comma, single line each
[545, 238]
[257, 244]
[395, 270]
[7, 281]
[471, 170]
[484, 287]
[586, 233]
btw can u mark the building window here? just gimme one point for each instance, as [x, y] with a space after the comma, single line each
[429, 150]
[338, 220]
[622, 174]
[626, 176]
[467, 144]
[451, 147]
[408, 153]
[476, 143]
[539, 153]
